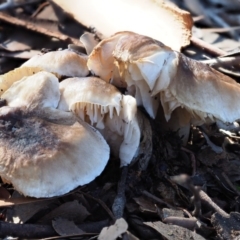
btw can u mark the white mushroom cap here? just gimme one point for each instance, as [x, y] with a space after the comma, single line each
[62, 63]
[102, 105]
[43, 159]
[7, 79]
[89, 95]
[37, 91]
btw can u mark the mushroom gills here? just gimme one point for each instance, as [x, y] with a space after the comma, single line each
[112, 113]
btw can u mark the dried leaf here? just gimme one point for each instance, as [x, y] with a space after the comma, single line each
[145, 205]
[65, 227]
[157, 19]
[72, 211]
[227, 228]
[172, 232]
[114, 231]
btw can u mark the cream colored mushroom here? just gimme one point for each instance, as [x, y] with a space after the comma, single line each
[61, 63]
[44, 159]
[133, 61]
[151, 70]
[45, 152]
[40, 90]
[104, 107]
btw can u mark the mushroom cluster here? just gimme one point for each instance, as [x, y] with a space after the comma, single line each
[154, 74]
[57, 135]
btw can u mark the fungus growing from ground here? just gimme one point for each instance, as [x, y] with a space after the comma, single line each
[46, 152]
[104, 107]
[152, 71]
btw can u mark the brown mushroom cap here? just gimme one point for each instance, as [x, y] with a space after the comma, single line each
[62, 63]
[43, 159]
[205, 92]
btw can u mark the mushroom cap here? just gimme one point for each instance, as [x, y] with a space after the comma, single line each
[43, 159]
[62, 63]
[102, 105]
[101, 61]
[205, 92]
[37, 91]
[133, 61]
[154, 73]
[90, 94]
[7, 79]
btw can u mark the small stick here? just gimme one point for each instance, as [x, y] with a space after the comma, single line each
[207, 46]
[189, 223]
[36, 28]
[204, 197]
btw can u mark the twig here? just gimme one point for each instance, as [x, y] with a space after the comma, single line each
[223, 61]
[39, 9]
[43, 231]
[27, 24]
[204, 197]
[220, 30]
[189, 223]
[208, 47]
[198, 195]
